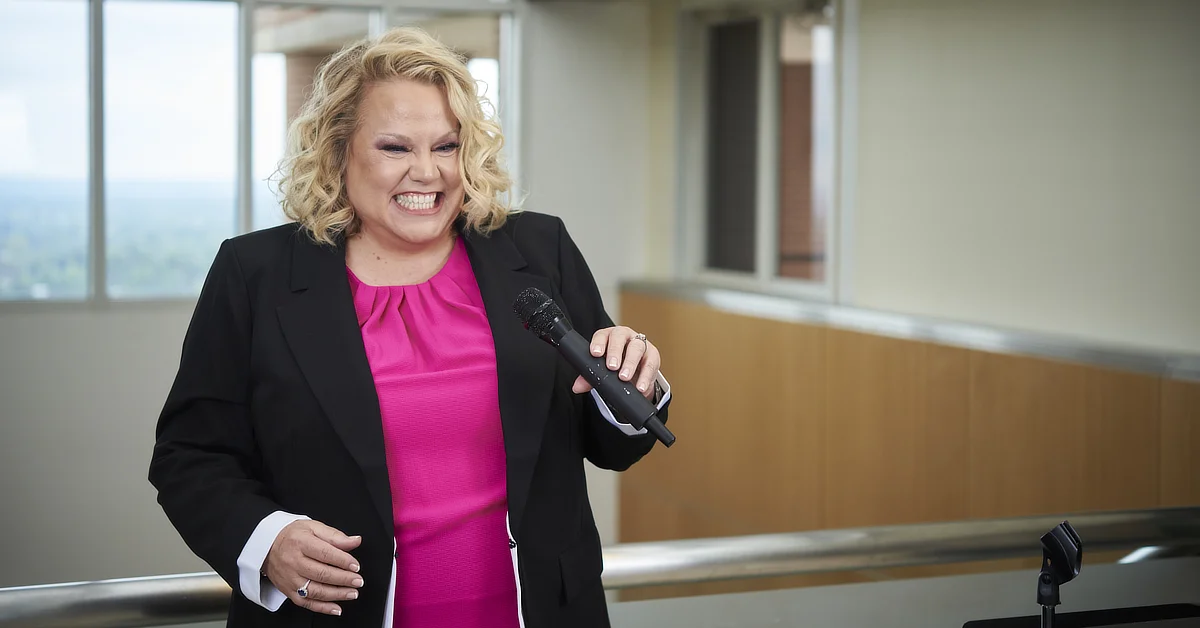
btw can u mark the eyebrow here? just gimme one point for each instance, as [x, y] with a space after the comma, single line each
[407, 140]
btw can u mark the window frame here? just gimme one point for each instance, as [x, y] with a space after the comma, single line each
[510, 13]
[695, 21]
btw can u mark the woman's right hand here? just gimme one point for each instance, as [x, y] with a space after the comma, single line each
[312, 551]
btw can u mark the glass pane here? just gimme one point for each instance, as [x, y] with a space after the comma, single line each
[732, 145]
[289, 44]
[170, 142]
[805, 147]
[43, 149]
[486, 72]
[476, 37]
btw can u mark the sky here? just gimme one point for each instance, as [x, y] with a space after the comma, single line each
[43, 88]
[170, 91]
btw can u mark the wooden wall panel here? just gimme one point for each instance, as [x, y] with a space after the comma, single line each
[766, 396]
[1121, 440]
[754, 393]
[1180, 462]
[801, 408]
[750, 420]
[888, 450]
[942, 492]
[791, 427]
[681, 472]
[1027, 436]
[1054, 437]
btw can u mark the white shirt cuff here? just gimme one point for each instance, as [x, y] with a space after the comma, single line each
[625, 427]
[254, 586]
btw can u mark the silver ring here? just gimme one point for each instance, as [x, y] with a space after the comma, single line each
[303, 591]
[641, 337]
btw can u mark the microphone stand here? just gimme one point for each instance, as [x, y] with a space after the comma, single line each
[1062, 558]
[1047, 593]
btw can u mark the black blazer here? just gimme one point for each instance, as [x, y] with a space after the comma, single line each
[274, 408]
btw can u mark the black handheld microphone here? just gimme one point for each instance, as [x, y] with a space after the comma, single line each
[542, 316]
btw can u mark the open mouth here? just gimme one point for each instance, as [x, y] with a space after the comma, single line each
[420, 203]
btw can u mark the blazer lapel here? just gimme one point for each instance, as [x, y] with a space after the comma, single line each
[525, 365]
[321, 328]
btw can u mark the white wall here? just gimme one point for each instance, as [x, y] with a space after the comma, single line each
[585, 148]
[1032, 164]
[80, 392]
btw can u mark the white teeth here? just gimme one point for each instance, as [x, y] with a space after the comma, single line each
[416, 201]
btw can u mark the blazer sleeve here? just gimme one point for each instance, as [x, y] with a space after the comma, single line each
[605, 445]
[205, 462]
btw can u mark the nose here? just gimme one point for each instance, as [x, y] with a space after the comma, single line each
[423, 168]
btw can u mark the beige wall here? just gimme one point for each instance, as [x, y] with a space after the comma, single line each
[1021, 164]
[662, 109]
[585, 128]
[1032, 164]
[80, 392]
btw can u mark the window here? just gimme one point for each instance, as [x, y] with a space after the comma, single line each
[170, 127]
[289, 44]
[127, 196]
[762, 103]
[806, 148]
[732, 140]
[43, 150]
[477, 37]
[486, 70]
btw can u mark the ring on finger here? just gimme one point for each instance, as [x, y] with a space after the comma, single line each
[641, 337]
[303, 591]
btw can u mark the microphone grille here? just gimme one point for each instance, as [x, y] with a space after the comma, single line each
[536, 310]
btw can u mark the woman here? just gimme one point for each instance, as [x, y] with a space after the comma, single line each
[361, 432]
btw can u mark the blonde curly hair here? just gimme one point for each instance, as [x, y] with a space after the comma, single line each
[311, 179]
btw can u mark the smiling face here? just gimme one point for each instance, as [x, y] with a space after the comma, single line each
[402, 169]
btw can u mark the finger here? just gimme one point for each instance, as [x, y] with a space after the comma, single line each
[324, 552]
[649, 372]
[600, 341]
[633, 357]
[316, 606]
[580, 386]
[324, 573]
[335, 537]
[321, 592]
[617, 341]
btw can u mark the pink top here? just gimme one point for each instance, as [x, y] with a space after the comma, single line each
[430, 349]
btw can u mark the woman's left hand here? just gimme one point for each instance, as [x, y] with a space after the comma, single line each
[636, 357]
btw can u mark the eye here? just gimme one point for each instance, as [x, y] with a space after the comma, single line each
[394, 148]
[447, 148]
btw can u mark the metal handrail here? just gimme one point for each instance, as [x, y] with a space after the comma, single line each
[188, 598]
